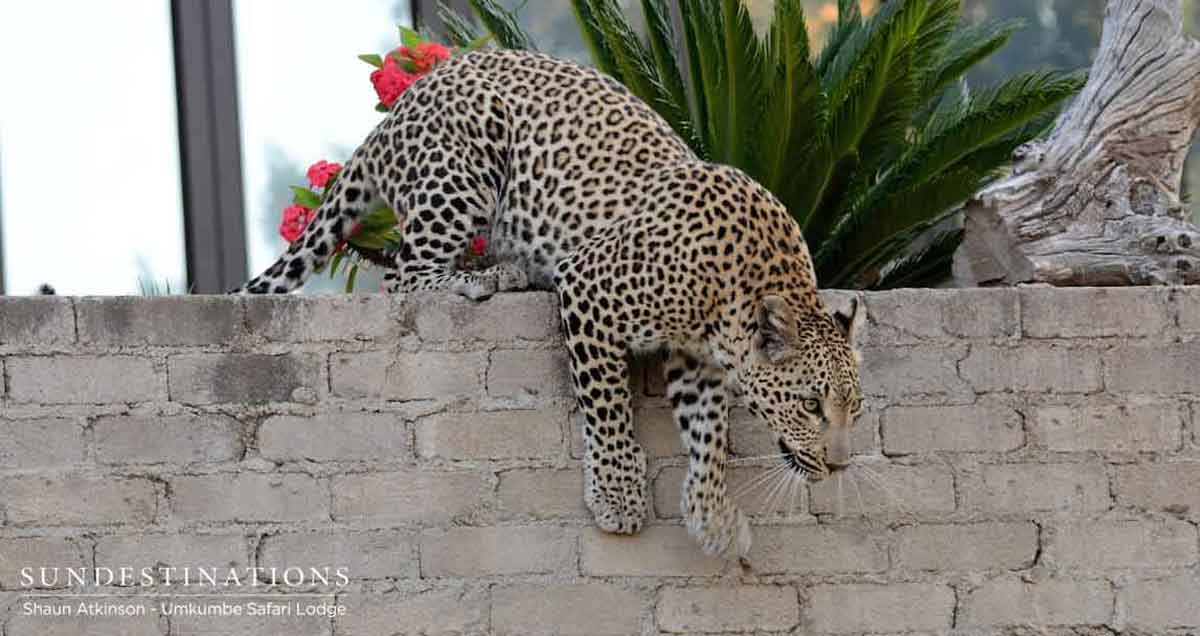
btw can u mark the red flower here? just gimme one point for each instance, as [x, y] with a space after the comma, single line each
[479, 245]
[425, 57]
[321, 172]
[295, 219]
[390, 81]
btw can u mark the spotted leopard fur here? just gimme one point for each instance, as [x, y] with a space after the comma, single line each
[585, 190]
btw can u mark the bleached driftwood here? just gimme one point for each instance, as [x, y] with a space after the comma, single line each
[1097, 202]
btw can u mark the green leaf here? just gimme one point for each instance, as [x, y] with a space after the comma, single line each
[380, 108]
[350, 279]
[502, 24]
[409, 37]
[700, 40]
[305, 197]
[474, 45]
[333, 264]
[372, 59]
[460, 31]
[790, 127]
[593, 36]
[928, 266]
[968, 47]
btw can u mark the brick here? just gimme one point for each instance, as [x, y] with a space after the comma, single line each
[249, 497]
[750, 437]
[41, 443]
[408, 496]
[727, 608]
[655, 551]
[177, 439]
[530, 434]
[1036, 368]
[301, 318]
[752, 499]
[1025, 488]
[344, 436]
[1187, 302]
[522, 373]
[1049, 602]
[906, 371]
[1166, 543]
[1088, 312]
[1135, 426]
[168, 320]
[83, 379]
[568, 609]
[293, 624]
[655, 429]
[1174, 488]
[394, 375]
[500, 550]
[1165, 603]
[1160, 369]
[908, 316]
[974, 428]
[31, 322]
[212, 378]
[41, 552]
[371, 554]
[147, 622]
[541, 494]
[891, 489]
[965, 547]
[895, 607]
[172, 550]
[439, 317]
[819, 549]
[65, 500]
[431, 612]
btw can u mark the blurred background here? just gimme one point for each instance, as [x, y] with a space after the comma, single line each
[147, 146]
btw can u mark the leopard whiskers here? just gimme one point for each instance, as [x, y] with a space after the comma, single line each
[743, 460]
[758, 481]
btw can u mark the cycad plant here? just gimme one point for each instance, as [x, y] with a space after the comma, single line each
[870, 143]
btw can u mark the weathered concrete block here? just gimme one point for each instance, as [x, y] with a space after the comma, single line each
[566, 609]
[885, 489]
[1161, 604]
[743, 486]
[907, 316]
[407, 496]
[542, 493]
[973, 428]
[1063, 312]
[212, 378]
[437, 317]
[1009, 601]
[145, 623]
[176, 439]
[41, 443]
[437, 611]
[156, 550]
[19, 553]
[1187, 306]
[1163, 543]
[817, 549]
[526, 373]
[525, 434]
[249, 497]
[385, 553]
[895, 607]
[1173, 488]
[499, 550]
[1157, 369]
[727, 608]
[1139, 425]
[293, 624]
[45, 321]
[1039, 368]
[392, 375]
[167, 320]
[1024, 488]
[655, 551]
[966, 547]
[299, 318]
[83, 379]
[67, 500]
[331, 437]
[903, 371]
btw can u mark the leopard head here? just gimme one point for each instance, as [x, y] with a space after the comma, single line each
[802, 380]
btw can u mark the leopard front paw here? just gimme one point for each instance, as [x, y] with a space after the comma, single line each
[616, 494]
[716, 524]
[510, 277]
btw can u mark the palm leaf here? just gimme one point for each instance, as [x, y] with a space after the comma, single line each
[503, 25]
[791, 121]
[661, 36]
[928, 266]
[738, 91]
[459, 30]
[593, 37]
[969, 46]
[704, 60]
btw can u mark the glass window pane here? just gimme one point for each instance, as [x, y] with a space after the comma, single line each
[89, 154]
[303, 96]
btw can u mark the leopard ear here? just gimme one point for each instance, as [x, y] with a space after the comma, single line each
[851, 324]
[776, 327]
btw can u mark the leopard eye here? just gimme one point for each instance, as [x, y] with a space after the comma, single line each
[812, 406]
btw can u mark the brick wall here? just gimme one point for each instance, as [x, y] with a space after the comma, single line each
[1030, 464]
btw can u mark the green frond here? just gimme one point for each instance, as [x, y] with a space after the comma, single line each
[459, 30]
[661, 36]
[929, 266]
[703, 45]
[593, 37]
[502, 24]
[969, 46]
[794, 100]
[739, 87]
[848, 26]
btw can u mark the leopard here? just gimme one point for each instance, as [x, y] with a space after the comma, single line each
[582, 189]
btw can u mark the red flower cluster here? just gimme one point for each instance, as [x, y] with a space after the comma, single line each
[321, 172]
[393, 79]
[295, 219]
[479, 245]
